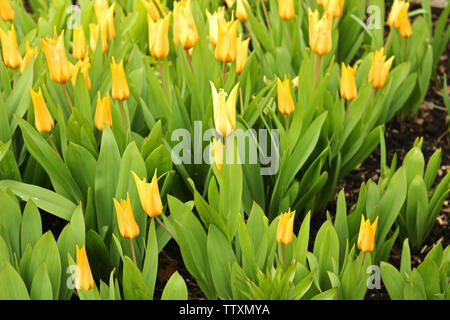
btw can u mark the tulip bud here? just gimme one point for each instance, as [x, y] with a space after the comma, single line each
[218, 153]
[79, 43]
[93, 31]
[42, 119]
[285, 228]
[229, 3]
[285, 101]
[380, 69]
[224, 110]
[103, 112]
[241, 11]
[158, 37]
[348, 86]
[226, 41]
[6, 11]
[128, 226]
[333, 8]
[83, 275]
[366, 236]
[149, 195]
[61, 69]
[105, 16]
[120, 90]
[213, 23]
[320, 33]
[286, 9]
[184, 28]
[83, 66]
[152, 10]
[241, 54]
[399, 19]
[10, 49]
[29, 54]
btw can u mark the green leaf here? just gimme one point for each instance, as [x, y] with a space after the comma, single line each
[150, 268]
[134, 287]
[175, 288]
[12, 286]
[31, 227]
[393, 281]
[41, 288]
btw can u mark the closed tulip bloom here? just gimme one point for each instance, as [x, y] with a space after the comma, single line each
[83, 275]
[42, 118]
[213, 23]
[120, 90]
[399, 19]
[226, 41]
[218, 153]
[82, 66]
[79, 43]
[224, 110]
[241, 11]
[348, 86]
[285, 228]
[6, 11]
[184, 28]
[286, 9]
[103, 112]
[10, 49]
[333, 8]
[61, 69]
[158, 37]
[241, 54]
[152, 10]
[30, 53]
[380, 69]
[149, 195]
[393, 18]
[320, 33]
[285, 101]
[366, 236]
[229, 3]
[105, 15]
[93, 31]
[128, 226]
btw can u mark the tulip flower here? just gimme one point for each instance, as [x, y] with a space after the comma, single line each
[184, 28]
[30, 53]
[218, 153]
[286, 9]
[61, 69]
[83, 275]
[6, 12]
[333, 8]
[152, 10]
[399, 19]
[158, 37]
[366, 236]
[105, 16]
[149, 195]
[285, 228]
[42, 118]
[10, 49]
[380, 69]
[285, 101]
[83, 66]
[229, 3]
[241, 54]
[120, 90]
[103, 112]
[320, 32]
[213, 23]
[93, 32]
[241, 11]
[226, 40]
[224, 110]
[79, 43]
[128, 226]
[348, 86]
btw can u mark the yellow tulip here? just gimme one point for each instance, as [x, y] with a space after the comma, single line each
[241, 11]
[83, 66]
[6, 11]
[348, 86]
[42, 118]
[10, 49]
[103, 112]
[120, 90]
[218, 153]
[158, 37]
[366, 236]
[83, 275]
[226, 40]
[152, 10]
[229, 3]
[79, 43]
[380, 69]
[285, 101]
[149, 195]
[184, 28]
[30, 53]
[105, 16]
[213, 23]
[241, 54]
[286, 9]
[224, 110]
[93, 32]
[333, 8]
[320, 32]
[128, 226]
[285, 228]
[61, 69]
[399, 19]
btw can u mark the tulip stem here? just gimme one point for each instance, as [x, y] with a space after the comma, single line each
[266, 15]
[346, 110]
[287, 30]
[242, 100]
[132, 251]
[123, 115]
[318, 61]
[165, 228]
[162, 76]
[53, 145]
[388, 41]
[67, 96]
[224, 73]
[284, 254]
[189, 60]
[14, 78]
[364, 257]
[287, 125]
